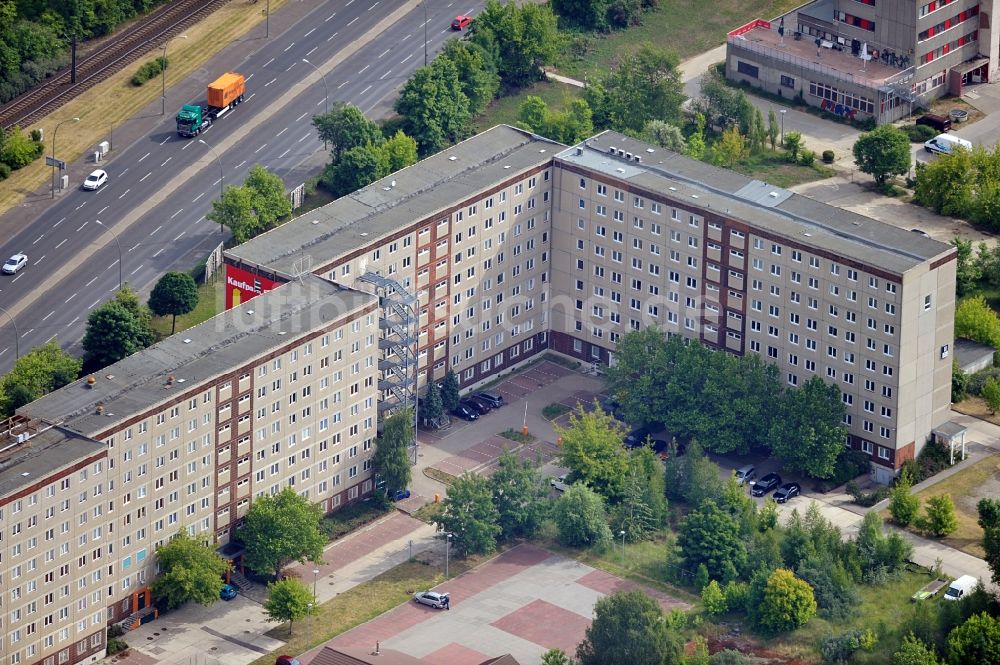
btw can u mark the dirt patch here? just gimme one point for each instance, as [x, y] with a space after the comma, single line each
[945, 104]
[976, 407]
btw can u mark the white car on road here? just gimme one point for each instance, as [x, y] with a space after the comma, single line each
[95, 180]
[15, 263]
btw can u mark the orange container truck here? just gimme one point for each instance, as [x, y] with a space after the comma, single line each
[224, 93]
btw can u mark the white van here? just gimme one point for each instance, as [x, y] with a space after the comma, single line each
[946, 143]
[961, 587]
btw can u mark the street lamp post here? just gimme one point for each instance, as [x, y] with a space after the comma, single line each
[447, 555]
[17, 341]
[782, 112]
[425, 32]
[326, 105]
[54, 132]
[622, 534]
[163, 78]
[315, 575]
[121, 255]
[222, 174]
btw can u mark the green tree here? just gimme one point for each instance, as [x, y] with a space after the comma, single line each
[357, 167]
[431, 407]
[18, 150]
[235, 210]
[991, 394]
[730, 149]
[289, 600]
[729, 106]
[833, 587]
[645, 86]
[518, 496]
[883, 152]
[476, 72]
[665, 135]
[696, 142]
[533, 113]
[629, 628]
[959, 382]
[788, 603]
[968, 271]
[912, 651]
[903, 506]
[940, 515]
[40, 371]
[435, 111]
[520, 39]
[468, 514]
[268, 197]
[758, 134]
[556, 657]
[713, 599]
[793, 144]
[975, 641]
[634, 515]
[773, 129]
[946, 184]
[399, 150]
[175, 293]
[711, 536]
[580, 518]
[280, 529]
[880, 556]
[116, 330]
[976, 320]
[449, 391]
[190, 569]
[391, 461]
[588, 14]
[346, 127]
[808, 433]
[592, 450]
[989, 522]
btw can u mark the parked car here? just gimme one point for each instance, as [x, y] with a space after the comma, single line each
[492, 397]
[786, 492]
[15, 263]
[559, 484]
[399, 495]
[961, 587]
[460, 22]
[613, 408]
[95, 180]
[638, 436]
[480, 406]
[941, 123]
[434, 599]
[228, 592]
[660, 447]
[286, 660]
[766, 484]
[745, 474]
[465, 412]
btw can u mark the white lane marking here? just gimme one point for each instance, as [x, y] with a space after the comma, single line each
[362, 70]
[269, 62]
[384, 52]
[309, 33]
[290, 66]
[81, 205]
[51, 338]
[164, 140]
[281, 132]
[46, 317]
[123, 194]
[94, 303]
[259, 149]
[81, 226]
[177, 213]
[17, 278]
[342, 85]
[405, 38]
[284, 153]
[217, 181]
[252, 95]
[4, 351]
[271, 81]
[380, 78]
[165, 162]
[365, 90]
[158, 252]
[351, 2]
[144, 156]
[59, 222]
[288, 47]
[68, 299]
[70, 324]
[300, 117]
[123, 172]
[304, 138]
[198, 197]
[102, 210]
[62, 243]
[38, 238]
[332, 36]
[135, 271]
[312, 49]
[93, 280]
[178, 237]
[200, 219]
[353, 21]
[133, 247]
[156, 229]
[322, 101]
[329, 17]
[40, 260]
[406, 58]
[187, 145]
[148, 174]
[241, 163]
[373, 6]
[30, 330]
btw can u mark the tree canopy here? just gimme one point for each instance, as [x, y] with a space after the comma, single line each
[469, 515]
[646, 85]
[883, 152]
[434, 107]
[976, 320]
[190, 569]
[518, 496]
[116, 330]
[629, 628]
[519, 38]
[391, 460]
[975, 641]
[711, 536]
[592, 450]
[43, 369]
[787, 603]
[289, 600]
[345, 127]
[256, 206]
[280, 529]
[175, 293]
[808, 432]
[989, 522]
[580, 518]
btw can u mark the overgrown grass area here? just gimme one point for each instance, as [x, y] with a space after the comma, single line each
[354, 516]
[774, 168]
[211, 301]
[438, 475]
[687, 27]
[365, 602]
[504, 111]
[519, 437]
[976, 406]
[554, 410]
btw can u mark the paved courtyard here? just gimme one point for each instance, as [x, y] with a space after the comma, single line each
[524, 602]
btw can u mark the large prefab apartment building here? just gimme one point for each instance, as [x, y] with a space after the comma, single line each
[476, 259]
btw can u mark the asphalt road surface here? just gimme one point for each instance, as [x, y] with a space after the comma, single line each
[160, 188]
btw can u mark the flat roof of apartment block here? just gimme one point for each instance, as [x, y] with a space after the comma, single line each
[24, 464]
[778, 211]
[186, 360]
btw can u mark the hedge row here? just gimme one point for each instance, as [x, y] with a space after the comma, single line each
[149, 70]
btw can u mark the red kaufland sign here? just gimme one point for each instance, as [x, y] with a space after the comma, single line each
[242, 285]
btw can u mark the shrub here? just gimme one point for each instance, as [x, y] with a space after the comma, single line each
[867, 499]
[904, 507]
[36, 135]
[849, 465]
[116, 646]
[4, 171]
[839, 648]
[807, 158]
[828, 156]
[736, 594]
[713, 598]
[919, 133]
[351, 517]
[149, 70]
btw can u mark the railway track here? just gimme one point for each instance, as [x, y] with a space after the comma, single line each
[124, 48]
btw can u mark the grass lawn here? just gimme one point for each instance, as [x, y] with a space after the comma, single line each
[503, 111]
[683, 26]
[773, 168]
[365, 602]
[211, 301]
[976, 406]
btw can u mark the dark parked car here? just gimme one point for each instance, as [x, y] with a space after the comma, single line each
[939, 122]
[786, 492]
[481, 406]
[465, 413]
[286, 660]
[613, 408]
[494, 398]
[399, 495]
[228, 592]
[766, 484]
[637, 437]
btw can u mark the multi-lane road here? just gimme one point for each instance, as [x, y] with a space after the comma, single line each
[161, 187]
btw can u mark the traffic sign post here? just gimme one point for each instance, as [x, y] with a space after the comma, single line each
[52, 161]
